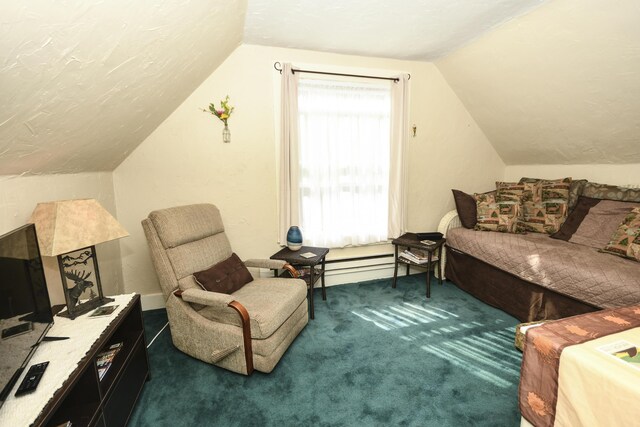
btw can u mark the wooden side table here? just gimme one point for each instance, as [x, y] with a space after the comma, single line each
[411, 240]
[295, 259]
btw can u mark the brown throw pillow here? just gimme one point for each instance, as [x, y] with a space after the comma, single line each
[466, 207]
[600, 222]
[625, 241]
[575, 191]
[575, 218]
[225, 277]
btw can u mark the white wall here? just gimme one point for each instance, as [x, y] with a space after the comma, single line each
[20, 195]
[604, 174]
[184, 160]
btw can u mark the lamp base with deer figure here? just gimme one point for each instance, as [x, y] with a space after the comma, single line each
[80, 292]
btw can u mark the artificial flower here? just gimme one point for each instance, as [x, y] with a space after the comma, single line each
[224, 112]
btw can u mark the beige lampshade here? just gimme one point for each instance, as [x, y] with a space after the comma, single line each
[67, 225]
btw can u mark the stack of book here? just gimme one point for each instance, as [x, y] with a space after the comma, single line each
[105, 359]
[305, 272]
[416, 256]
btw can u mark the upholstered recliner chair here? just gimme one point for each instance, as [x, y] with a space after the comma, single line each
[250, 328]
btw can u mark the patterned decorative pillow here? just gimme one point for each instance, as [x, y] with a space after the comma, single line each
[611, 192]
[545, 204]
[501, 211]
[509, 192]
[625, 241]
[575, 191]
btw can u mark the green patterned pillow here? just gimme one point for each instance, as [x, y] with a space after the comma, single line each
[501, 212]
[625, 241]
[575, 190]
[545, 204]
[611, 192]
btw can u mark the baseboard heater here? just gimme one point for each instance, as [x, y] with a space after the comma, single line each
[356, 259]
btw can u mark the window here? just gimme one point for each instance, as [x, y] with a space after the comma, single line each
[342, 167]
[344, 134]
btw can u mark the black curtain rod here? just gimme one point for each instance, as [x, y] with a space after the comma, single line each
[294, 70]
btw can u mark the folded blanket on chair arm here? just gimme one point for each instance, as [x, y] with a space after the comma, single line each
[210, 299]
[265, 263]
[272, 264]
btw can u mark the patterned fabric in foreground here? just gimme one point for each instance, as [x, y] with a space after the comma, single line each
[538, 392]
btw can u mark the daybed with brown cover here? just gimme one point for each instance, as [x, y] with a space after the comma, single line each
[533, 276]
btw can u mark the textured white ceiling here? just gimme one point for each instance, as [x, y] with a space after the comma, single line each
[560, 85]
[84, 82]
[408, 29]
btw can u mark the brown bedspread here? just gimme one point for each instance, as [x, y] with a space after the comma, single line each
[580, 272]
[538, 391]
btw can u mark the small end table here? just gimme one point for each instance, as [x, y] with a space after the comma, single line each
[411, 240]
[295, 259]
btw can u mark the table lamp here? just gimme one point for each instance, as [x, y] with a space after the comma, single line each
[70, 229]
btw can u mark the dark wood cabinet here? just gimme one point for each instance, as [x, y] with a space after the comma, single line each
[85, 400]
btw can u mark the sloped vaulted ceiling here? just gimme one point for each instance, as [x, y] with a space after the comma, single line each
[84, 82]
[560, 85]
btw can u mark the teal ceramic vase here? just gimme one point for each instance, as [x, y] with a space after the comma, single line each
[294, 238]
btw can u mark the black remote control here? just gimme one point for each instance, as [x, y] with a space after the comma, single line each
[31, 380]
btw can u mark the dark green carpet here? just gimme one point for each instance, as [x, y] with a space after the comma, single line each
[373, 356]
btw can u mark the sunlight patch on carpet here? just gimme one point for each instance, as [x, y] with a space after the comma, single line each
[400, 316]
[482, 356]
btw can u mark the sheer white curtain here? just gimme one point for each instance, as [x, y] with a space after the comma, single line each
[344, 159]
[288, 181]
[398, 166]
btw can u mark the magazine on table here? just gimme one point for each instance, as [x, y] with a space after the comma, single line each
[105, 359]
[305, 272]
[105, 310]
[623, 351]
[416, 256]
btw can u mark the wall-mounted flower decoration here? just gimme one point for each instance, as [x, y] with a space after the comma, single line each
[223, 113]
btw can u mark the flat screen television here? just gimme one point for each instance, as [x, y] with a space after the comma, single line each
[25, 309]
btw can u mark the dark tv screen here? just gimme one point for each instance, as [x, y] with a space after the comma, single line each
[25, 309]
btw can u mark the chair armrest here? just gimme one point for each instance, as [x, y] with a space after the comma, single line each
[225, 302]
[272, 264]
[449, 220]
[211, 299]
